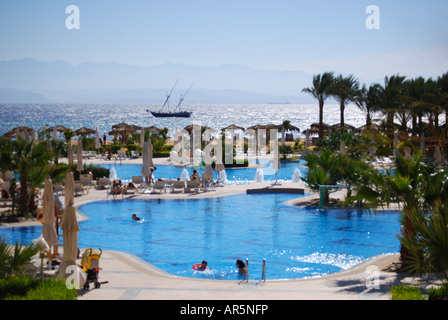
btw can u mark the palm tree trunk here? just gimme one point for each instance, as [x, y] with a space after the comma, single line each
[321, 118]
[342, 115]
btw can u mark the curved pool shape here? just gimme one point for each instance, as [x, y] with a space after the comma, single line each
[176, 234]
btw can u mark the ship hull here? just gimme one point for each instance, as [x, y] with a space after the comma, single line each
[183, 114]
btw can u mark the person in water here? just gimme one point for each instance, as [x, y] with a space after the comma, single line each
[134, 217]
[203, 266]
[241, 266]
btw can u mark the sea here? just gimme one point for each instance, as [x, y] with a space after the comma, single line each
[215, 116]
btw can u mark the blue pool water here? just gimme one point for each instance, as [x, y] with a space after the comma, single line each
[234, 176]
[175, 234]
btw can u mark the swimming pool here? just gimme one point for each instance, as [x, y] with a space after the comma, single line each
[175, 234]
[234, 176]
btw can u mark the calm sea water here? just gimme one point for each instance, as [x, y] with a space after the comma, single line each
[216, 116]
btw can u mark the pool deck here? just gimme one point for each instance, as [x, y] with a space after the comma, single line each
[130, 278]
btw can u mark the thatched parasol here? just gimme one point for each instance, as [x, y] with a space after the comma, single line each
[19, 130]
[84, 131]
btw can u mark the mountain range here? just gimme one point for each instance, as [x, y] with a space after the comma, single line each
[34, 81]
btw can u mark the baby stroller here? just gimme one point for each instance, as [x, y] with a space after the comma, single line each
[91, 266]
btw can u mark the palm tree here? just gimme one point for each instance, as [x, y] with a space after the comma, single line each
[442, 83]
[369, 100]
[24, 157]
[321, 90]
[285, 126]
[427, 250]
[344, 90]
[412, 185]
[393, 91]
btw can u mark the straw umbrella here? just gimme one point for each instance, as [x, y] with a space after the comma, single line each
[70, 228]
[48, 229]
[69, 189]
[208, 172]
[84, 131]
[97, 139]
[276, 163]
[79, 166]
[145, 161]
[14, 133]
[70, 153]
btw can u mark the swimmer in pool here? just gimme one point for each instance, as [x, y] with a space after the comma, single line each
[202, 267]
[134, 217]
[241, 266]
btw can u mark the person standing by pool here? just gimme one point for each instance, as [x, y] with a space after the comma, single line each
[149, 179]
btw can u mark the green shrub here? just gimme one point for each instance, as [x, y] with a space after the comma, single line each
[161, 154]
[27, 288]
[15, 259]
[438, 293]
[403, 292]
[16, 286]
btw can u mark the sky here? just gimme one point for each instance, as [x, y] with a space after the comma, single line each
[311, 36]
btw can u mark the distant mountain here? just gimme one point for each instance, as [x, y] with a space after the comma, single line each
[95, 82]
[8, 95]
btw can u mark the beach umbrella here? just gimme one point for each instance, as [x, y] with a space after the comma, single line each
[276, 162]
[307, 139]
[346, 126]
[97, 139]
[70, 153]
[48, 229]
[145, 160]
[233, 127]
[152, 129]
[69, 189]
[57, 128]
[79, 166]
[150, 154]
[142, 137]
[84, 131]
[314, 128]
[70, 228]
[208, 171]
[14, 133]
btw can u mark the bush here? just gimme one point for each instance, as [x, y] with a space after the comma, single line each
[438, 293]
[16, 286]
[15, 259]
[27, 288]
[403, 292]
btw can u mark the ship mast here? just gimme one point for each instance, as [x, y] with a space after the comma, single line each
[168, 96]
[182, 98]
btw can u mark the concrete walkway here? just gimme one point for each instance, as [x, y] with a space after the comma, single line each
[129, 278]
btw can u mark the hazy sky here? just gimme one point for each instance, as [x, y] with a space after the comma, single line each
[313, 36]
